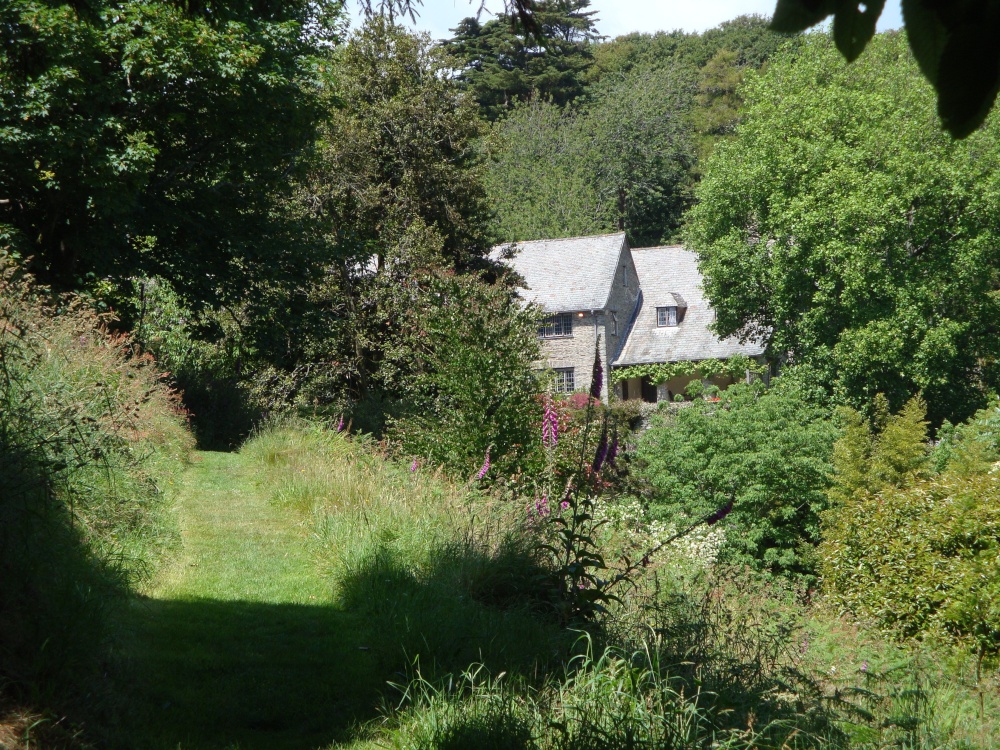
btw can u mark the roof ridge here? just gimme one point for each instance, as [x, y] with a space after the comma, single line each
[561, 239]
[663, 247]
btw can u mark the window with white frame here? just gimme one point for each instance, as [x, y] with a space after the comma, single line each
[563, 380]
[666, 316]
[555, 326]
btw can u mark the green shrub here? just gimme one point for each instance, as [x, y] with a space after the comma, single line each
[889, 451]
[204, 353]
[913, 551]
[920, 560]
[470, 348]
[971, 447]
[89, 436]
[768, 449]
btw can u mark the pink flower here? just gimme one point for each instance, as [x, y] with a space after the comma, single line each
[414, 465]
[564, 504]
[486, 466]
[340, 424]
[550, 424]
[719, 514]
[602, 451]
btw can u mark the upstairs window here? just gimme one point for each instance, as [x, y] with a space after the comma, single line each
[666, 316]
[564, 380]
[556, 326]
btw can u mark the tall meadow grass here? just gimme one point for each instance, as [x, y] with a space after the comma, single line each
[439, 572]
[448, 583]
[90, 439]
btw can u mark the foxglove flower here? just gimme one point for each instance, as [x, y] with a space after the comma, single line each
[602, 451]
[719, 514]
[597, 379]
[340, 424]
[550, 424]
[613, 449]
[414, 465]
[486, 466]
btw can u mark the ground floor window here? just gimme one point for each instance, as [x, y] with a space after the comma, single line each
[564, 381]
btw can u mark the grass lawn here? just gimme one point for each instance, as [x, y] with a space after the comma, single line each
[240, 644]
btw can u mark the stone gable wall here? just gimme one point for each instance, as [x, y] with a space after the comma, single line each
[577, 351]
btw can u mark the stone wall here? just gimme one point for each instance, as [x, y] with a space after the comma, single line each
[576, 351]
[611, 324]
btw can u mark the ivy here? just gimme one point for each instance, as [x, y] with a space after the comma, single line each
[733, 367]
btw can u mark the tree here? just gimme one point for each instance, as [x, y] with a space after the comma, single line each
[502, 64]
[953, 42]
[847, 234]
[540, 178]
[394, 195]
[470, 389]
[621, 162]
[750, 38]
[768, 450]
[157, 137]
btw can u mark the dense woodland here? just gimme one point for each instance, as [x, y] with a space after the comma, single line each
[245, 228]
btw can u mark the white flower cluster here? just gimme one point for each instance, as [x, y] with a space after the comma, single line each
[700, 547]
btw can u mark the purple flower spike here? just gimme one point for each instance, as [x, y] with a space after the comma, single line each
[602, 451]
[486, 466]
[340, 424]
[414, 465]
[550, 424]
[597, 380]
[719, 514]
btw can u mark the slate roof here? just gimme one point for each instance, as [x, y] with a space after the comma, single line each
[668, 275]
[569, 274]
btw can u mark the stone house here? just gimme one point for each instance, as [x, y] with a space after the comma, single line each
[645, 304]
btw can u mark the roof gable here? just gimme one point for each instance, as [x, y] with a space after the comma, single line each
[569, 274]
[669, 276]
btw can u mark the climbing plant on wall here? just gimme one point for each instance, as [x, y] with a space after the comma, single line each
[661, 372]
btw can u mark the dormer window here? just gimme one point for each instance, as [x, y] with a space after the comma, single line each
[666, 316]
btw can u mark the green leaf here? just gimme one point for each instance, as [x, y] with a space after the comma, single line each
[792, 16]
[854, 28]
[968, 79]
[927, 36]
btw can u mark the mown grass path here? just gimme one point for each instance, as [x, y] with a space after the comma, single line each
[239, 645]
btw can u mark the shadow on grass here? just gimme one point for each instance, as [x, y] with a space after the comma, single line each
[462, 606]
[204, 674]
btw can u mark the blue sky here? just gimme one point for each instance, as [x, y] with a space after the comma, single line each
[617, 17]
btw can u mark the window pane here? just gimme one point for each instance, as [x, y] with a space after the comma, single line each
[556, 325]
[666, 316]
[564, 380]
